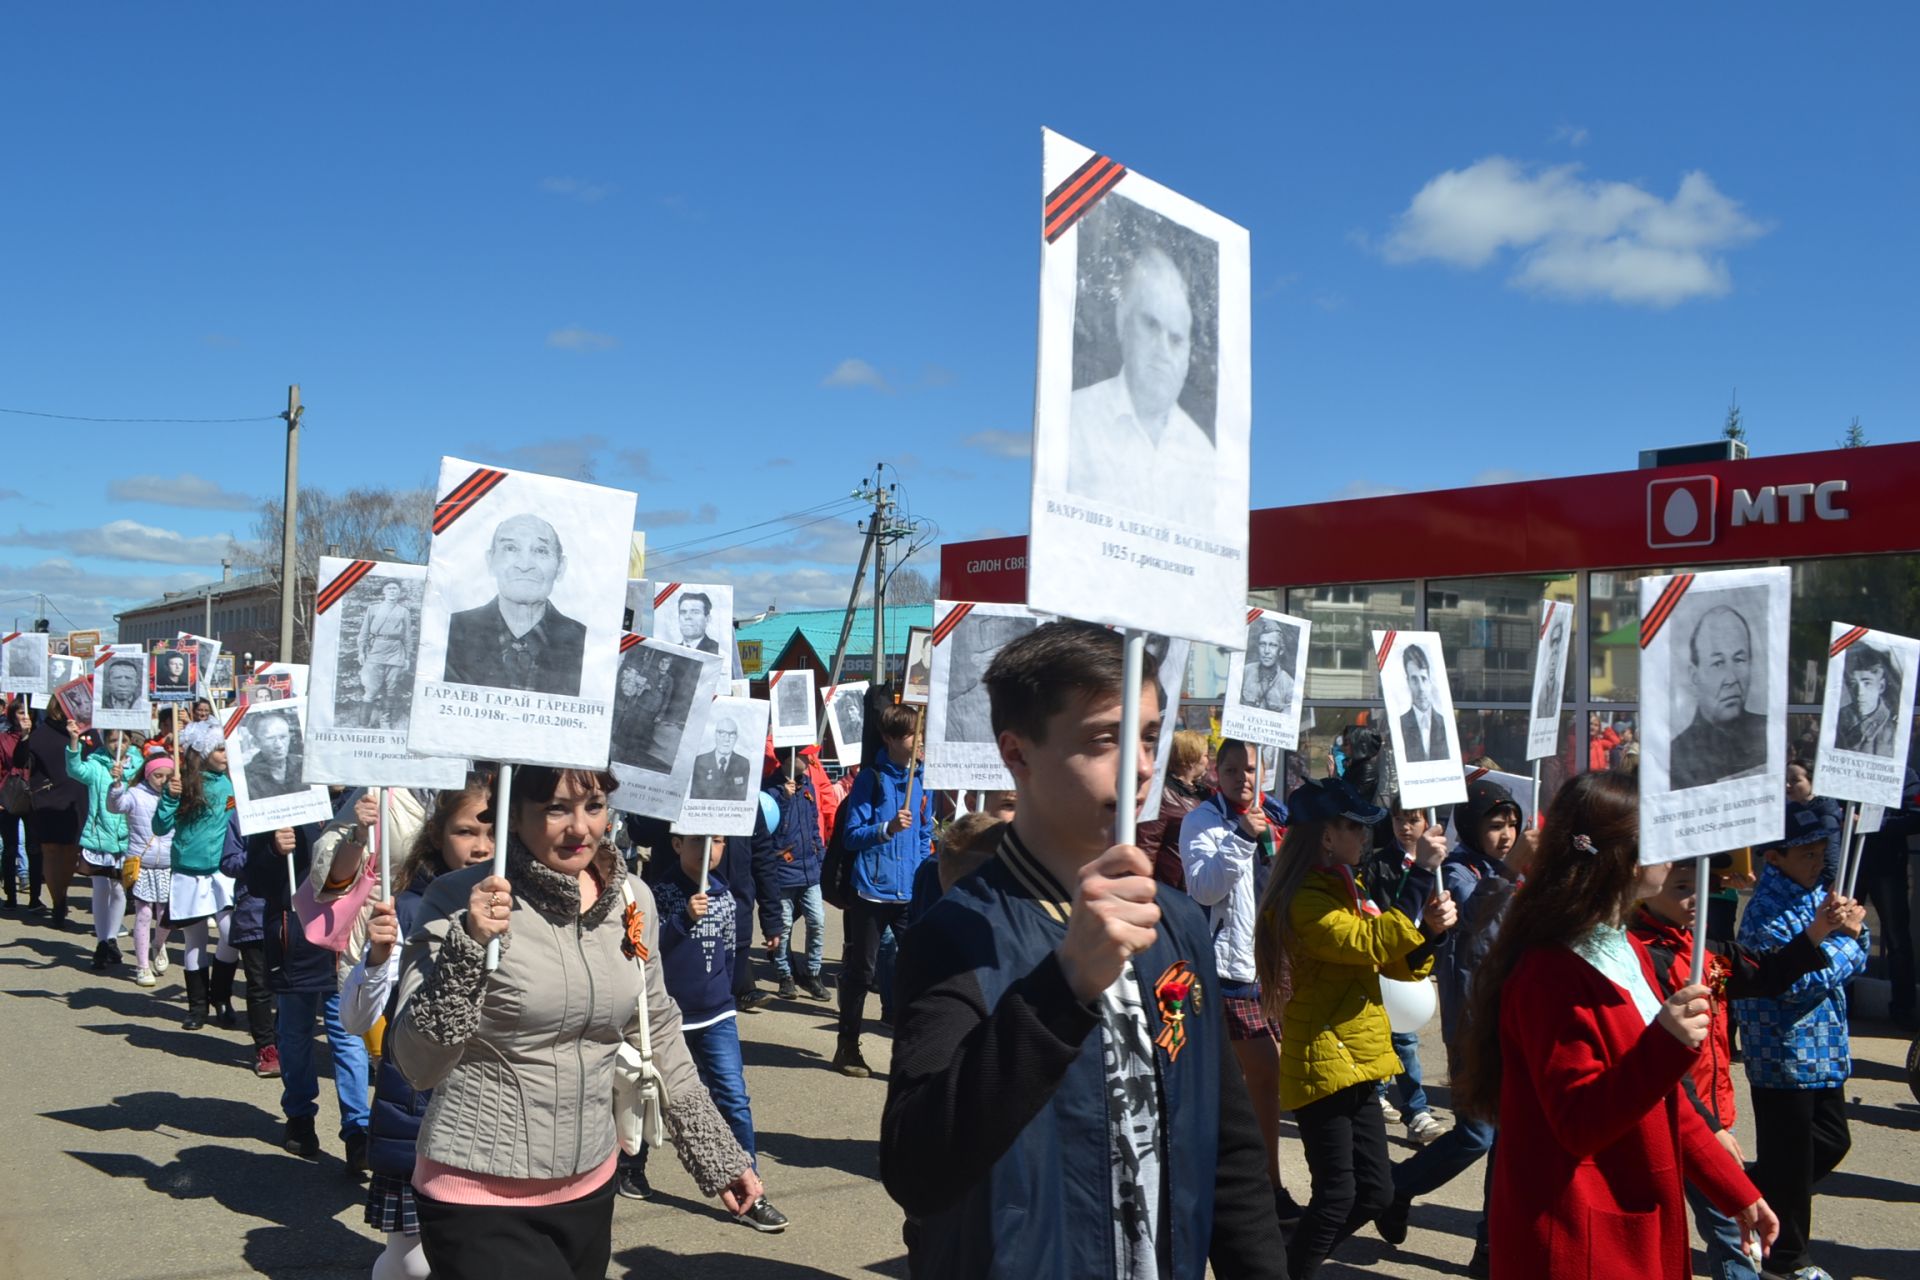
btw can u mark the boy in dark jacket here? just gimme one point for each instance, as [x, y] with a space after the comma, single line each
[1403, 875]
[696, 964]
[247, 932]
[305, 986]
[889, 828]
[1063, 1103]
[786, 874]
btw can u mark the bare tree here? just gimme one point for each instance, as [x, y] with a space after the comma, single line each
[908, 586]
[361, 524]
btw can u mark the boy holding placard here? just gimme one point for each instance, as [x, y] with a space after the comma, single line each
[1796, 1050]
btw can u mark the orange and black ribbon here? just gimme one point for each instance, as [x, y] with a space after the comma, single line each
[464, 496]
[634, 944]
[1178, 994]
[1069, 202]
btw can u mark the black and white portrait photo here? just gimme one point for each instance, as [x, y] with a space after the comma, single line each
[266, 759]
[519, 639]
[694, 615]
[64, 669]
[650, 705]
[1724, 677]
[206, 653]
[1549, 678]
[1143, 411]
[846, 707]
[1870, 691]
[23, 663]
[722, 792]
[1145, 363]
[274, 761]
[76, 699]
[793, 716]
[1419, 716]
[366, 637]
[175, 675]
[917, 687]
[520, 621]
[1264, 683]
[120, 689]
[1866, 719]
[120, 683]
[962, 753]
[1713, 711]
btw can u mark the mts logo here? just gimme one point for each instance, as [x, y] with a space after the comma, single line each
[1764, 505]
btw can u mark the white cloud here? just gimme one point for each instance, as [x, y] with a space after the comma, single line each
[1361, 489]
[575, 189]
[183, 490]
[126, 540]
[705, 513]
[854, 372]
[575, 338]
[1501, 475]
[1001, 444]
[1576, 238]
[1573, 135]
[84, 598]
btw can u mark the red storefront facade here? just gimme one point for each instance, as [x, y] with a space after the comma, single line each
[1474, 565]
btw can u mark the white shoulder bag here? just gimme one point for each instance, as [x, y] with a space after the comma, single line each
[639, 1090]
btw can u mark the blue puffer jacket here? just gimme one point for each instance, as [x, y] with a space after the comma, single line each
[795, 850]
[1799, 1040]
[884, 865]
[394, 1125]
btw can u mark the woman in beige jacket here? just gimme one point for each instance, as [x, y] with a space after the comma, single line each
[516, 1154]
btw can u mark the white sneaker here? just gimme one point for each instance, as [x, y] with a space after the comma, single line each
[1387, 1109]
[160, 963]
[144, 978]
[1423, 1128]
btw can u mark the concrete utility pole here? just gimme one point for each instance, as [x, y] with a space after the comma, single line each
[289, 572]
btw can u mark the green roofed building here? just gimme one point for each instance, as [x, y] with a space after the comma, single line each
[788, 641]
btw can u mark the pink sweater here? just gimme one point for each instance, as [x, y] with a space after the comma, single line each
[449, 1185]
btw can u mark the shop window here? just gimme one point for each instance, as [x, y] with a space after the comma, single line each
[1499, 740]
[1340, 650]
[1882, 592]
[1489, 628]
[1613, 625]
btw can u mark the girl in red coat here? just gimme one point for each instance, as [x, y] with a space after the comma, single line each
[1572, 1051]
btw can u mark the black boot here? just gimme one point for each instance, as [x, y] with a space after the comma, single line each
[196, 1000]
[220, 992]
[102, 959]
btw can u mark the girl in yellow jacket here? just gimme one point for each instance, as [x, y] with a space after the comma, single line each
[1320, 948]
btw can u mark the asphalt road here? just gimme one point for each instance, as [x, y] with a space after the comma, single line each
[136, 1149]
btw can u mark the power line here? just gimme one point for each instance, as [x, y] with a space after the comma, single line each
[845, 503]
[747, 542]
[74, 417]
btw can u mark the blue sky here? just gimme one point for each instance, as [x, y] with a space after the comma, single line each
[732, 260]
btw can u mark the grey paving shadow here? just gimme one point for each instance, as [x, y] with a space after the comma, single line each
[154, 1110]
[856, 1157]
[646, 1263]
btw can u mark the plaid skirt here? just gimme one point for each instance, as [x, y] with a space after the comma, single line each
[1246, 1020]
[390, 1205]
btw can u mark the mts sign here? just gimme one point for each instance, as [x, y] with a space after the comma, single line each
[1765, 505]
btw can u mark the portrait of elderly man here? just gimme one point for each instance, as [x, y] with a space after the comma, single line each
[518, 640]
[1724, 739]
[1549, 705]
[1130, 442]
[1423, 728]
[1870, 691]
[722, 773]
[1266, 681]
[692, 611]
[389, 634]
[274, 768]
[23, 661]
[121, 684]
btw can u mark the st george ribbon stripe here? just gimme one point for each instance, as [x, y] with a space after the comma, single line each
[1663, 608]
[1386, 647]
[1068, 205]
[10, 637]
[628, 640]
[1546, 617]
[233, 721]
[1847, 641]
[1253, 616]
[464, 495]
[661, 599]
[948, 623]
[335, 591]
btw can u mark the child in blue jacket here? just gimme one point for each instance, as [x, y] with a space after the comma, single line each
[889, 828]
[1797, 1054]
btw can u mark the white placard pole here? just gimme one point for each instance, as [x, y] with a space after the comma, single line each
[386, 857]
[1702, 883]
[1539, 819]
[1847, 870]
[1124, 819]
[502, 826]
[1856, 851]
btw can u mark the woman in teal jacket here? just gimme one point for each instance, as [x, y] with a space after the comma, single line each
[103, 839]
[194, 808]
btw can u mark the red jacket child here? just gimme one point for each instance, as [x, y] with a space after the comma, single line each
[1735, 973]
[1595, 1134]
